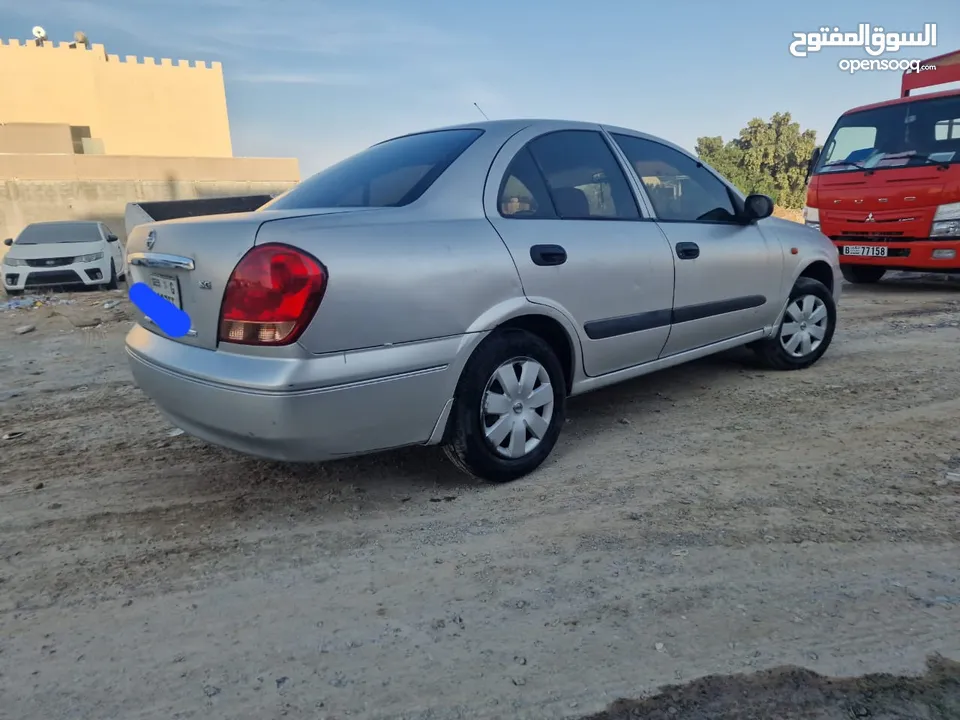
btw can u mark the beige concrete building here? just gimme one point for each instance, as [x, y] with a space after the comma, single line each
[83, 132]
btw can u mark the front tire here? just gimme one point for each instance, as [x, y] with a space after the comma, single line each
[509, 407]
[862, 274]
[13, 293]
[806, 330]
[112, 285]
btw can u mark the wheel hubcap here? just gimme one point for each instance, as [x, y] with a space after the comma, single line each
[517, 407]
[804, 326]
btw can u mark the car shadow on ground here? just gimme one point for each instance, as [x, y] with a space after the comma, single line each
[906, 283]
[427, 471]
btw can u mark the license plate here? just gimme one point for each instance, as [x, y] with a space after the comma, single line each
[166, 287]
[865, 250]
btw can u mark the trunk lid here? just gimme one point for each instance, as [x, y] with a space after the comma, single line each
[193, 258]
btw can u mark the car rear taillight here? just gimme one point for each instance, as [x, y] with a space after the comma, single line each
[271, 296]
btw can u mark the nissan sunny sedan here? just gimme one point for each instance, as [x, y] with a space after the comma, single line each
[454, 287]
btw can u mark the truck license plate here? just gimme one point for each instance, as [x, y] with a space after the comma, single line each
[166, 287]
[865, 250]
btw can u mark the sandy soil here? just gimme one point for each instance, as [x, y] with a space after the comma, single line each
[714, 520]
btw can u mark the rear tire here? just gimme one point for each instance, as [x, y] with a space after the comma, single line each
[112, 285]
[509, 407]
[806, 330]
[862, 274]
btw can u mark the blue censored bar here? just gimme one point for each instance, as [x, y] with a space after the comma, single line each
[167, 316]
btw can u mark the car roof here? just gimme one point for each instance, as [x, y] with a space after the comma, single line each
[510, 126]
[505, 125]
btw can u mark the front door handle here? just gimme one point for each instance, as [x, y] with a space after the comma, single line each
[548, 255]
[688, 250]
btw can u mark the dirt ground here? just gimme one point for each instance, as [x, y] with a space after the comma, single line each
[768, 530]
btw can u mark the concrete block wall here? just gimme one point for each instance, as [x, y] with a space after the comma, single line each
[23, 202]
[35, 188]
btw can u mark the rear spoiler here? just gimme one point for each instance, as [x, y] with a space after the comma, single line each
[944, 69]
[146, 212]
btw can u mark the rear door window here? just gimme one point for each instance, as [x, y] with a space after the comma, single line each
[523, 193]
[394, 173]
[948, 129]
[583, 177]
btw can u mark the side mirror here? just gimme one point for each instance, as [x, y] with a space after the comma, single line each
[8, 242]
[757, 207]
[112, 238]
[812, 163]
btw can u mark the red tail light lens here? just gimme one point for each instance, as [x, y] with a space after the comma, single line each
[271, 296]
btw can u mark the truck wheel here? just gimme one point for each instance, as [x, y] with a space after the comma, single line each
[862, 274]
[805, 331]
[509, 407]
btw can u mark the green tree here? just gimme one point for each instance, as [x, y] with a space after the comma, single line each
[769, 157]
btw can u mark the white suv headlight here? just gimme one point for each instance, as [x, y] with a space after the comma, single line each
[92, 257]
[811, 217]
[946, 221]
[13, 262]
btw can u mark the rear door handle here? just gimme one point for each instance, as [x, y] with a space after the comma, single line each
[548, 255]
[688, 250]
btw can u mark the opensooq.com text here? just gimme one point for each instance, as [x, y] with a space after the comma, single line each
[852, 65]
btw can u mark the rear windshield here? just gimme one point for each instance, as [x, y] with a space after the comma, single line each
[47, 233]
[391, 174]
[907, 134]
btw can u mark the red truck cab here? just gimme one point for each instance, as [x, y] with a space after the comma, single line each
[886, 185]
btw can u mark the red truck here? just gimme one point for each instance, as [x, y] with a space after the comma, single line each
[885, 186]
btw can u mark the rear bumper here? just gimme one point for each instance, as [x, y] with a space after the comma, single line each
[309, 409]
[928, 255]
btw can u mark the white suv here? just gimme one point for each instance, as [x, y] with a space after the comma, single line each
[62, 254]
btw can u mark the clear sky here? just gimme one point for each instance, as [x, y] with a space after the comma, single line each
[320, 80]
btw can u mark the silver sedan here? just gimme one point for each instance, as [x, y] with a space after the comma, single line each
[454, 287]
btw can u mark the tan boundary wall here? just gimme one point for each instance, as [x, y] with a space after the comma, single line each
[131, 105]
[34, 138]
[37, 188]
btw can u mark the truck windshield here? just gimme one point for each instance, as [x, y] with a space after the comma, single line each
[921, 132]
